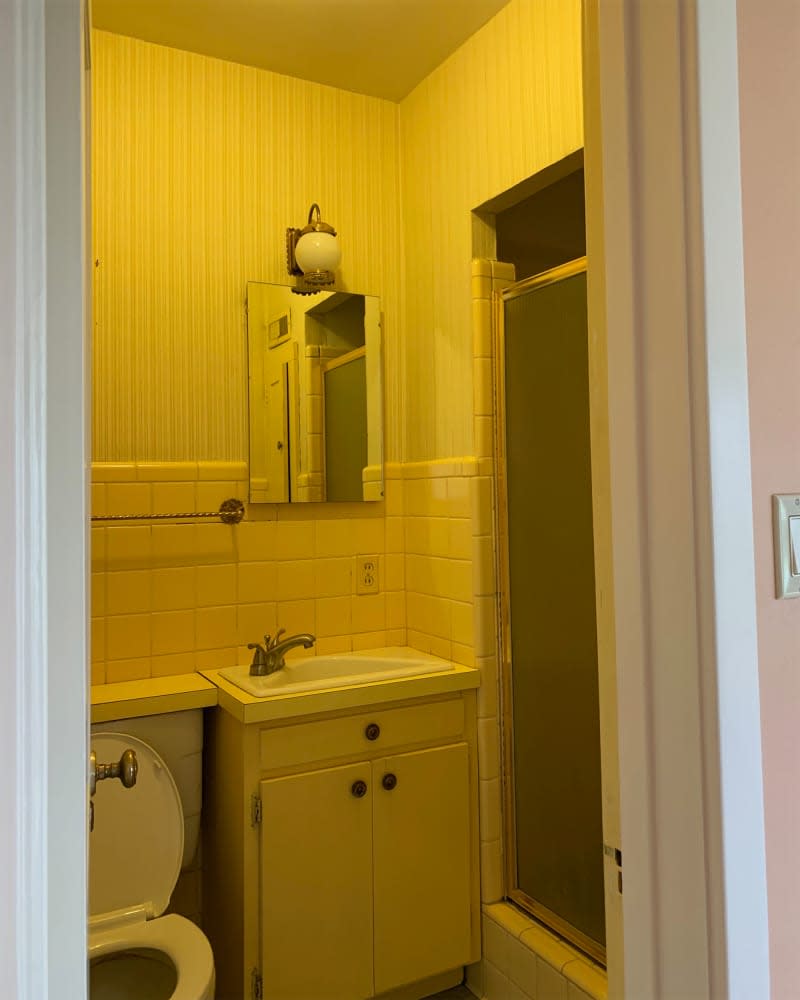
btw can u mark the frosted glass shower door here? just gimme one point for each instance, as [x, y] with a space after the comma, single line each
[549, 635]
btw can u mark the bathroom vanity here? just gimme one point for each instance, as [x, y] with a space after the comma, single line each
[341, 841]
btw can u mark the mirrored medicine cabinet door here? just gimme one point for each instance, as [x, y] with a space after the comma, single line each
[315, 391]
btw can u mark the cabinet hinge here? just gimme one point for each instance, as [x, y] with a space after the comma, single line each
[616, 854]
[255, 810]
[256, 985]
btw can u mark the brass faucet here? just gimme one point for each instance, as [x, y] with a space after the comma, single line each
[269, 657]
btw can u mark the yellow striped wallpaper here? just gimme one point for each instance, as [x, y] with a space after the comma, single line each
[198, 166]
[502, 107]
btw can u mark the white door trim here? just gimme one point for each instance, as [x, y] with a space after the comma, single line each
[43, 504]
[666, 253]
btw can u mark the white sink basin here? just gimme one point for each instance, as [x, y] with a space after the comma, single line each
[317, 673]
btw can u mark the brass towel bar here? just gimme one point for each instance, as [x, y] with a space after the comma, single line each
[230, 512]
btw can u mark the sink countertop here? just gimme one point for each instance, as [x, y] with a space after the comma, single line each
[248, 708]
[153, 696]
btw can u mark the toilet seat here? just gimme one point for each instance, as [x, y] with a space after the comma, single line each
[176, 937]
[136, 849]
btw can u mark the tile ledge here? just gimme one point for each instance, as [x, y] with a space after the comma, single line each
[152, 696]
[568, 961]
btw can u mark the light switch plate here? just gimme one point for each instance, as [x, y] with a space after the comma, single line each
[785, 507]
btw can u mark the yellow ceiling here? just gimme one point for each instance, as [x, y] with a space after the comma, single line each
[378, 47]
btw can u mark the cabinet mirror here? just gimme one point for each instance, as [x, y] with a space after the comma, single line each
[315, 380]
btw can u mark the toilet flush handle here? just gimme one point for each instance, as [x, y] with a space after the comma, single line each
[126, 769]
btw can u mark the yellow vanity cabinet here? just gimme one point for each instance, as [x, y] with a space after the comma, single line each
[351, 870]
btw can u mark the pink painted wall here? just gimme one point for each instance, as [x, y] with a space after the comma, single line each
[769, 66]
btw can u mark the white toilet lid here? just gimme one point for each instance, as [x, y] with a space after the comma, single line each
[136, 847]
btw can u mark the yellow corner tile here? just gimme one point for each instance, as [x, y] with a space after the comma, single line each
[128, 498]
[486, 626]
[418, 640]
[396, 534]
[215, 627]
[174, 663]
[127, 670]
[464, 655]
[333, 577]
[484, 436]
[482, 388]
[394, 572]
[127, 637]
[480, 488]
[174, 588]
[461, 580]
[98, 672]
[215, 543]
[487, 692]
[441, 647]
[459, 538]
[481, 328]
[128, 592]
[483, 569]
[396, 637]
[253, 621]
[396, 610]
[216, 585]
[462, 623]
[257, 582]
[172, 632]
[333, 617]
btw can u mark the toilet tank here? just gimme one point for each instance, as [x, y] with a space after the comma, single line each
[177, 737]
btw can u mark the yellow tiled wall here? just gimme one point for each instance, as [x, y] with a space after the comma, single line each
[169, 598]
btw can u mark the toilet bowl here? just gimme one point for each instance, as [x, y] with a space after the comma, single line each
[135, 855]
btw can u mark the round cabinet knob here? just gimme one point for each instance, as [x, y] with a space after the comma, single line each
[389, 781]
[359, 789]
[373, 731]
[128, 768]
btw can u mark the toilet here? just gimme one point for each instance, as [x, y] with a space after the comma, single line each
[136, 851]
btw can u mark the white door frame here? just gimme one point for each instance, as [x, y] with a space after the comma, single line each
[667, 297]
[669, 272]
[43, 538]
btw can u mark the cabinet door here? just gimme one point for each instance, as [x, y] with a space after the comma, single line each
[421, 838]
[316, 885]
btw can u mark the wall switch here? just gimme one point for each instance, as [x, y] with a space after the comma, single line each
[367, 575]
[786, 531]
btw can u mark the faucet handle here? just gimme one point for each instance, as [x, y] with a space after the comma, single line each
[259, 656]
[274, 642]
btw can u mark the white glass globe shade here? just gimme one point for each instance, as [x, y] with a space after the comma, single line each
[317, 252]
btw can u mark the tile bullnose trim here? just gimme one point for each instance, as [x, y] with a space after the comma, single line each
[573, 965]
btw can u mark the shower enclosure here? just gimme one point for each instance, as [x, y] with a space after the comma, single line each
[549, 635]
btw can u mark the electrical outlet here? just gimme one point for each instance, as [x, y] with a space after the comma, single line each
[367, 575]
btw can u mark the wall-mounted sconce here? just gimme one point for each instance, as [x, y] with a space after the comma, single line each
[313, 252]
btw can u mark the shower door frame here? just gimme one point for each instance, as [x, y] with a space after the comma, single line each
[513, 891]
